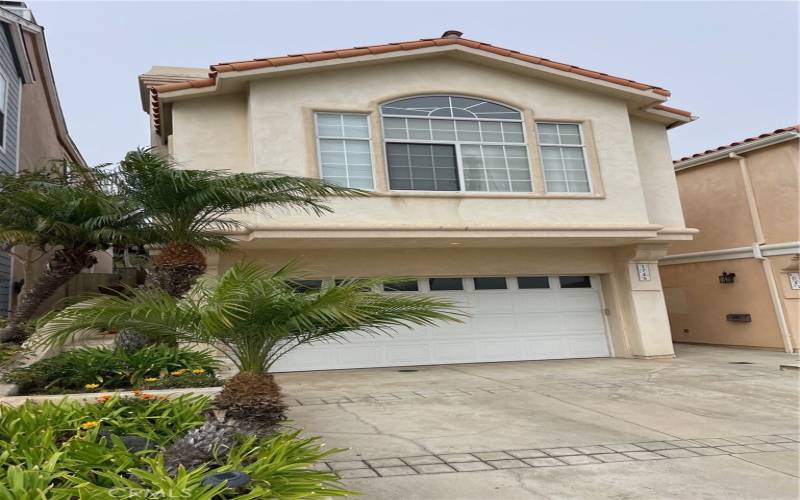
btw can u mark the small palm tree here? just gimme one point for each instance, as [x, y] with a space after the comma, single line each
[63, 213]
[188, 211]
[255, 316]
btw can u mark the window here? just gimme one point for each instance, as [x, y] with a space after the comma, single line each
[493, 283]
[344, 149]
[450, 143]
[401, 286]
[445, 284]
[532, 282]
[3, 110]
[306, 285]
[575, 281]
[563, 158]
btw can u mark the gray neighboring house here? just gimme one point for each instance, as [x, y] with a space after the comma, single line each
[32, 127]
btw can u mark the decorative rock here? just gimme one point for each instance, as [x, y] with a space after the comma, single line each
[235, 479]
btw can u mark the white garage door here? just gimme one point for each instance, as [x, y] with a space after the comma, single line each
[511, 319]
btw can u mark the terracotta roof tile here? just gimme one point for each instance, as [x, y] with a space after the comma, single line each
[670, 109]
[793, 128]
[449, 38]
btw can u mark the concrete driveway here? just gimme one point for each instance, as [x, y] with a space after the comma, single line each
[699, 426]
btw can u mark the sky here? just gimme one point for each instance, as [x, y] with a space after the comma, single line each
[733, 64]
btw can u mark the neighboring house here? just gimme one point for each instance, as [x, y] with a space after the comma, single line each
[745, 200]
[32, 128]
[540, 195]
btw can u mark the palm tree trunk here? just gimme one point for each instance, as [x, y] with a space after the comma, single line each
[175, 278]
[62, 267]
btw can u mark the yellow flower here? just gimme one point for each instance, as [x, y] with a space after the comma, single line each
[179, 372]
[199, 371]
[151, 379]
[89, 425]
[91, 386]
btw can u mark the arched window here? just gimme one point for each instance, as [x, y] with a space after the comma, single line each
[453, 143]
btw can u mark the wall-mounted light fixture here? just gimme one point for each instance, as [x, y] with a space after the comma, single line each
[727, 277]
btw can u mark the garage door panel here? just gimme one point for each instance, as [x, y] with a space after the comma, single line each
[550, 347]
[582, 322]
[492, 303]
[454, 352]
[369, 355]
[495, 323]
[500, 349]
[539, 323]
[408, 353]
[534, 302]
[505, 325]
[588, 347]
[583, 301]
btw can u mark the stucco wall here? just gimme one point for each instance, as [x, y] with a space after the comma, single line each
[698, 302]
[775, 176]
[277, 120]
[655, 170]
[714, 202]
[38, 136]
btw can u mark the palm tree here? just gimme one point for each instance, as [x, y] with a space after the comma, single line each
[188, 211]
[62, 212]
[255, 317]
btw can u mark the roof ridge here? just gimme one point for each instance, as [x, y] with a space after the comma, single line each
[265, 62]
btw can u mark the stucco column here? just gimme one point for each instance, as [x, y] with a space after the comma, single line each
[643, 310]
[212, 262]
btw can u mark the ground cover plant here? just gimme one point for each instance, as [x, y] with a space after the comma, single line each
[92, 369]
[116, 449]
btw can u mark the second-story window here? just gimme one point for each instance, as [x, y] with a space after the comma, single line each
[344, 152]
[453, 143]
[563, 158]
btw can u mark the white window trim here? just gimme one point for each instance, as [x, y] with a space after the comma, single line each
[7, 81]
[457, 144]
[582, 146]
[368, 141]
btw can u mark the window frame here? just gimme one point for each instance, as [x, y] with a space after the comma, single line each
[582, 147]
[5, 99]
[368, 140]
[457, 145]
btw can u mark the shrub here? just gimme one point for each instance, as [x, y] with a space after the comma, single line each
[183, 379]
[70, 449]
[103, 369]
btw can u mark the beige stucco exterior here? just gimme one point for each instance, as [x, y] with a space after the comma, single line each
[755, 236]
[629, 218]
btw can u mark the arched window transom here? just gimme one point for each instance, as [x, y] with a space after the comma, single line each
[453, 143]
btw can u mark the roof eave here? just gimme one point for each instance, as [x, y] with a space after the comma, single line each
[741, 148]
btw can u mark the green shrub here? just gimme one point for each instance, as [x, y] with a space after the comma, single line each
[69, 449]
[183, 379]
[104, 369]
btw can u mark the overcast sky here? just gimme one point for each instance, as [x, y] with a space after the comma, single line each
[734, 64]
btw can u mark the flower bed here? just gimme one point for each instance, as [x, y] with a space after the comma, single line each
[125, 448]
[98, 369]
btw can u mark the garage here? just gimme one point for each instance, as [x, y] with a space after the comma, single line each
[512, 318]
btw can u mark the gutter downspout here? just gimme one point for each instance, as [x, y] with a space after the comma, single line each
[766, 265]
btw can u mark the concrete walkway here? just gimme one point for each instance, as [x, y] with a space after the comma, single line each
[703, 425]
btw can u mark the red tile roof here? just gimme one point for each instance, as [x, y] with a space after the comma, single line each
[795, 128]
[448, 38]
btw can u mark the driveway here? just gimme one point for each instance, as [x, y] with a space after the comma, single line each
[698, 426]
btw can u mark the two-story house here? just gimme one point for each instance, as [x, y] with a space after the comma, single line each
[738, 282]
[538, 194]
[32, 126]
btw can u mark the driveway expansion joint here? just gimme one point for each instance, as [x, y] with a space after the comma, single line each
[479, 461]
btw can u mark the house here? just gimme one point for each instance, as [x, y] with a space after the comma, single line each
[538, 194]
[32, 126]
[738, 282]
